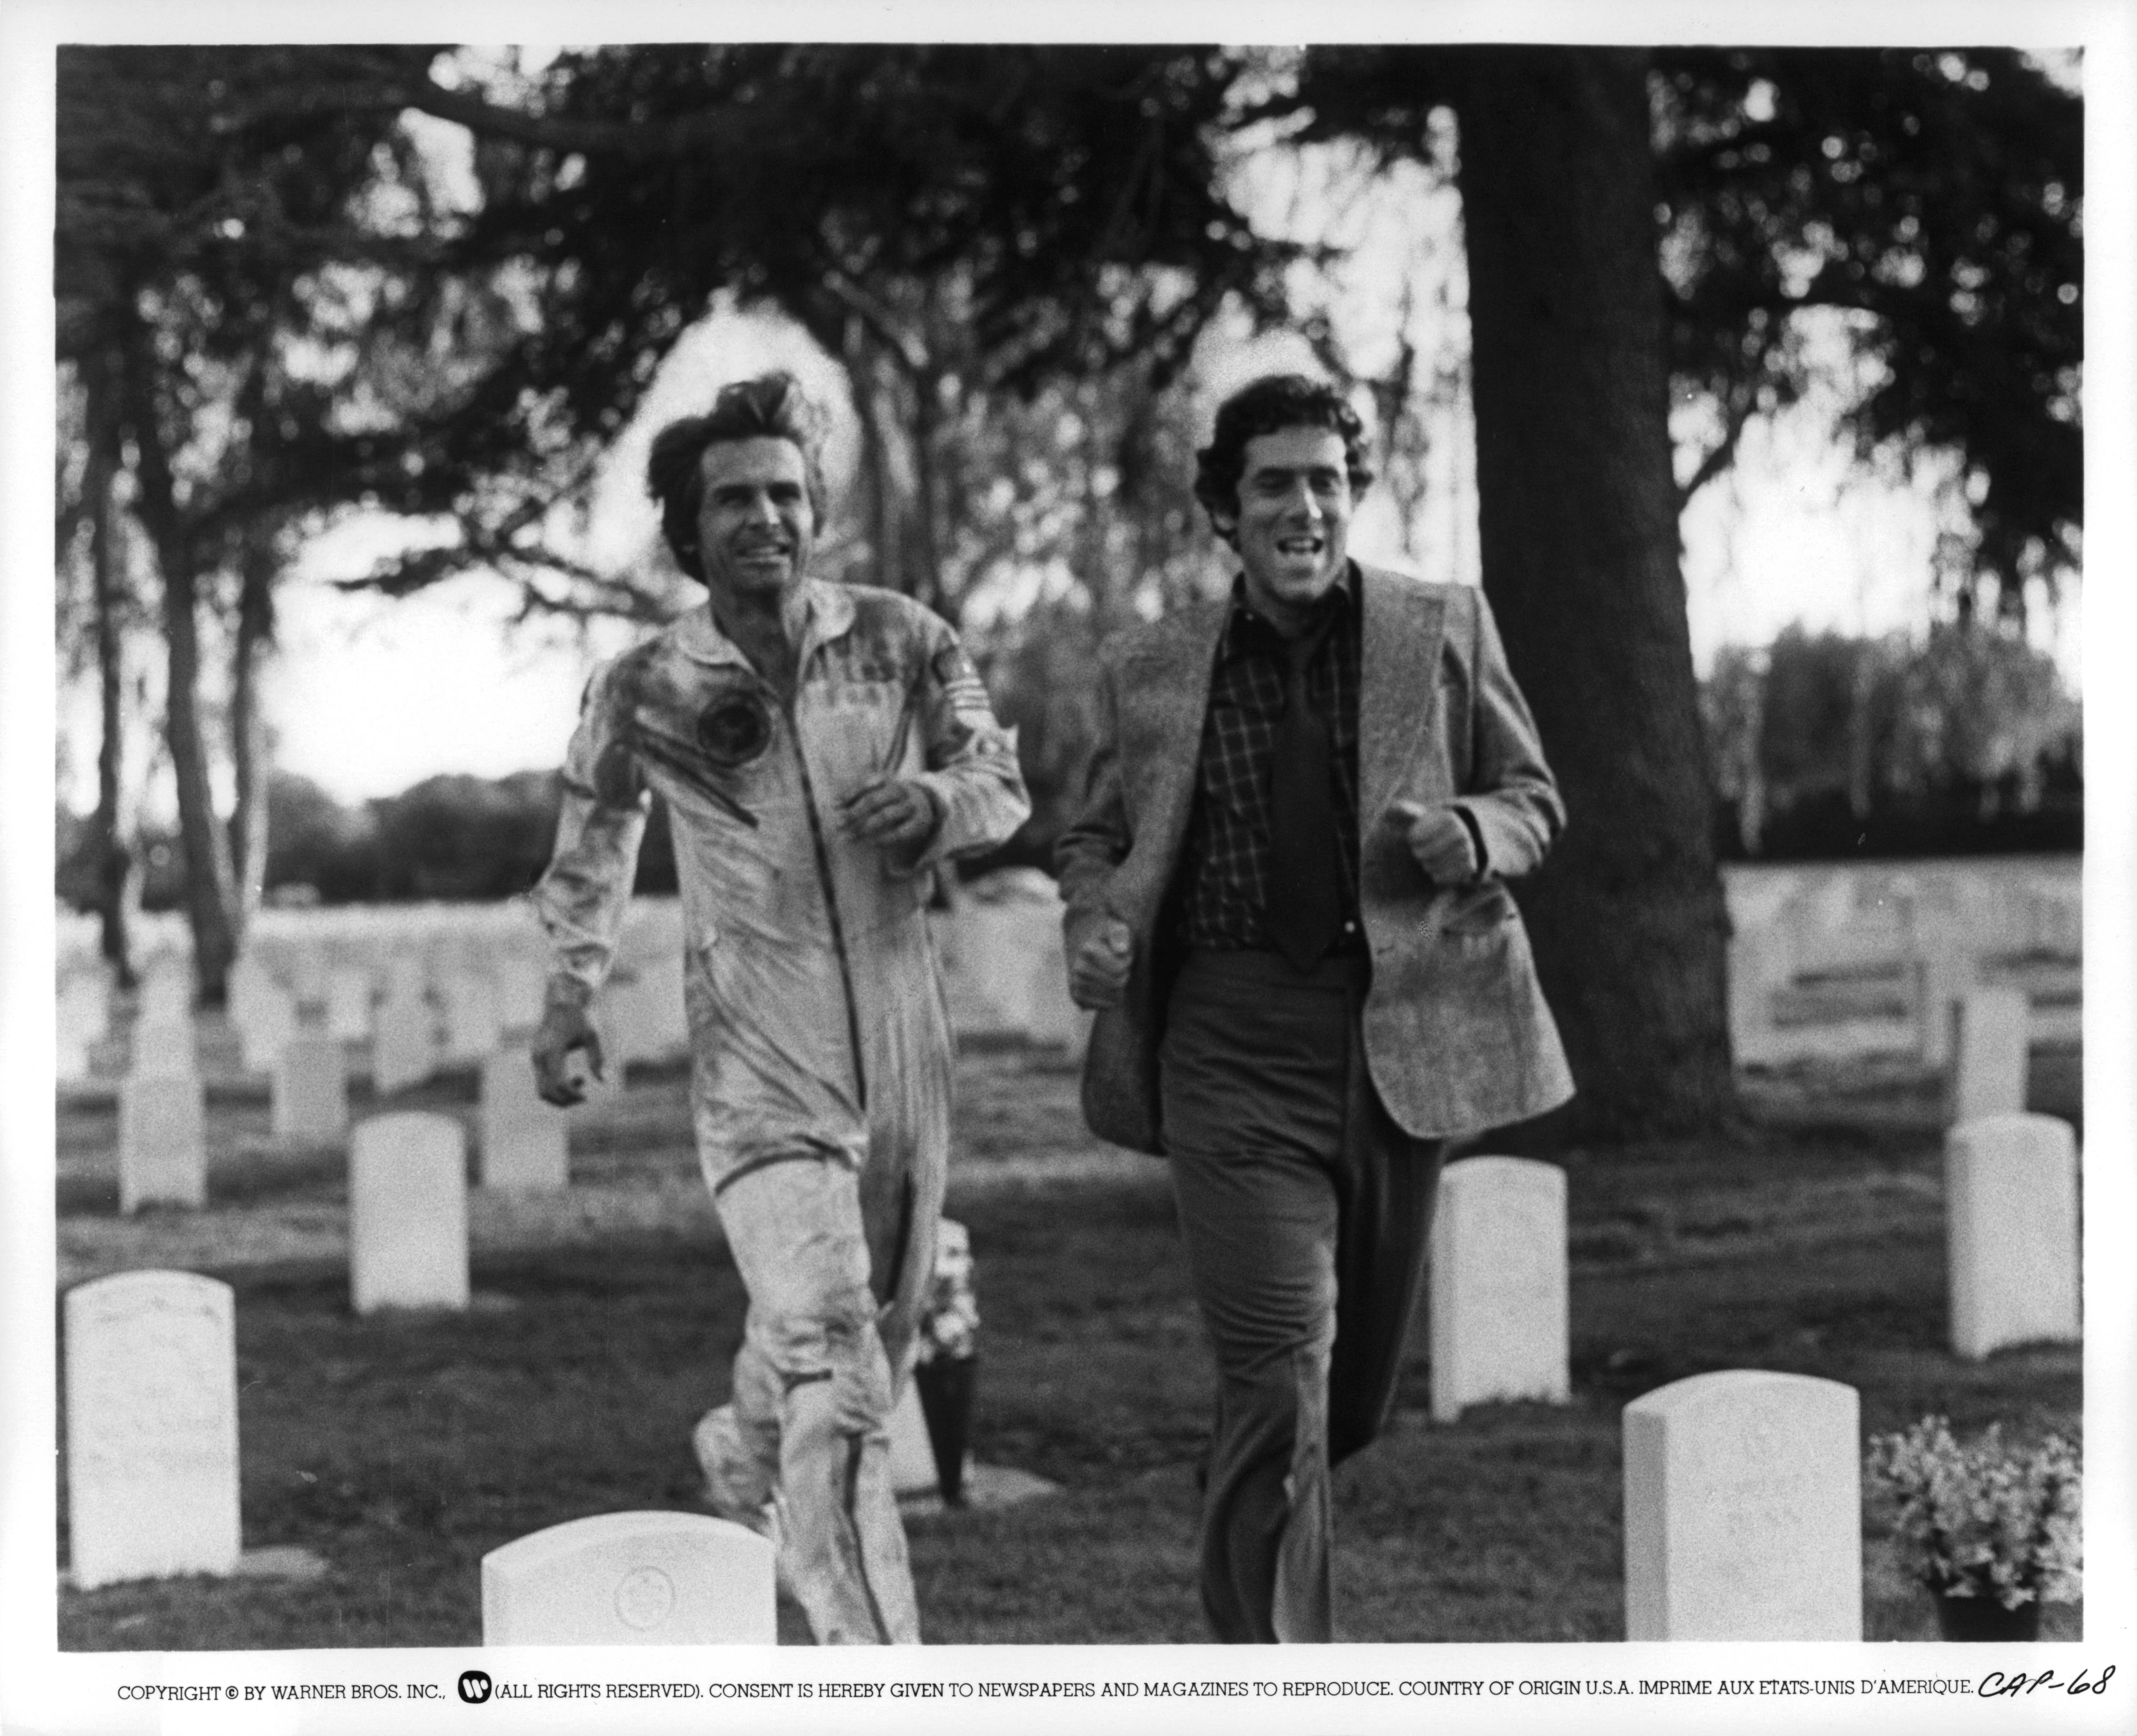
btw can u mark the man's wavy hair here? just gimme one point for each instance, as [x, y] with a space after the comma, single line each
[771, 406]
[1270, 405]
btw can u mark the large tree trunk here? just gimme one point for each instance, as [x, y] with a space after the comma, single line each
[1577, 510]
[248, 726]
[114, 863]
[209, 899]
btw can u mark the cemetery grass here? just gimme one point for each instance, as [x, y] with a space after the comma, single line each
[399, 1450]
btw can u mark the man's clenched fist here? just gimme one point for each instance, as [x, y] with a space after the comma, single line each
[1438, 839]
[1098, 973]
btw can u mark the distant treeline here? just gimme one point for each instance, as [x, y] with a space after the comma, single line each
[1823, 747]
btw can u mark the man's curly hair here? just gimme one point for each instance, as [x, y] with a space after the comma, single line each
[1270, 405]
[771, 406]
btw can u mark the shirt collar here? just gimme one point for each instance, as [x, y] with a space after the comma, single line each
[1244, 626]
[826, 612]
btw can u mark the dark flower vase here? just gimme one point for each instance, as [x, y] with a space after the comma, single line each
[1985, 1619]
[945, 1402]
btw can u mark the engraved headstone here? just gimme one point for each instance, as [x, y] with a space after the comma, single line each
[1990, 1055]
[310, 1090]
[162, 1152]
[1499, 1317]
[151, 1428]
[407, 1213]
[632, 1579]
[1743, 1509]
[2011, 1232]
[525, 1146]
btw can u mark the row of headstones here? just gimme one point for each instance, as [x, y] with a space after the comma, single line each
[455, 1002]
[1500, 1314]
[523, 1146]
[1742, 1499]
[1741, 1487]
[1852, 918]
[1980, 1036]
[421, 1023]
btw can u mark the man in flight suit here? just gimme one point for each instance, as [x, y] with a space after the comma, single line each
[820, 747]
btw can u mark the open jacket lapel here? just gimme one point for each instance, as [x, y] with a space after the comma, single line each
[1399, 681]
[1164, 692]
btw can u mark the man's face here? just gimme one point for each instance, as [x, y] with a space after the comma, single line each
[755, 525]
[1294, 523]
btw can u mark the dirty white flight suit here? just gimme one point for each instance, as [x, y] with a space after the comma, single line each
[818, 1034]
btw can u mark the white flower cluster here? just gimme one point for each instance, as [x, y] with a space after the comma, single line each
[949, 1318]
[1984, 1519]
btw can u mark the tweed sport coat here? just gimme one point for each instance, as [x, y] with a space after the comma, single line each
[1458, 1036]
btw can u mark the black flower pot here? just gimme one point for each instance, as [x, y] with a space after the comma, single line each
[945, 1402]
[1983, 1618]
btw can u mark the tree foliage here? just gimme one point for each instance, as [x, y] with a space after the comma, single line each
[973, 225]
[1928, 201]
[1932, 199]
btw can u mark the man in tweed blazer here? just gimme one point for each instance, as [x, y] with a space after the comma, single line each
[1286, 897]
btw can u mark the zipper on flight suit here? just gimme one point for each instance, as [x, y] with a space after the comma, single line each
[831, 892]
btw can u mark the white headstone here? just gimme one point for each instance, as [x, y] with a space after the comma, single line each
[521, 983]
[1761, 961]
[166, 991]
[526, 1147]
[162, 1150]
[310, 1088]
[407, 1213]
[403, 1052]
[912, 1458]
[2056, 919]
[632, 1579]
[163, 1048]
[1499, 1316]
[348, 1002]
[269, 1018]
[473, 1028]
[1743, 1509]
[1990, 1055]
[83, 1016]
[1943, 973]
[667, 1028]
[627, 1020]
[1055, 1020]
[2011, 1232]
[151, 1428]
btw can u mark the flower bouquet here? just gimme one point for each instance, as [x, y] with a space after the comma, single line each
[1991, 1529]
[948, 1358]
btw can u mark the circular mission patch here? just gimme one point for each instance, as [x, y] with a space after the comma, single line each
[734, 729]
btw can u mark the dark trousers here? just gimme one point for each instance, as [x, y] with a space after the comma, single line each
[1305, 1212]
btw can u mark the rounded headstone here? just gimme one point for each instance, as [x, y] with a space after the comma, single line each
[151, 1428]
[632, 1579]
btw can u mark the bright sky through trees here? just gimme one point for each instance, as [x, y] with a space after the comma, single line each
[369, 695]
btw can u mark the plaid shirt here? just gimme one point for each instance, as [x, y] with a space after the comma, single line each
[1225, 865]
